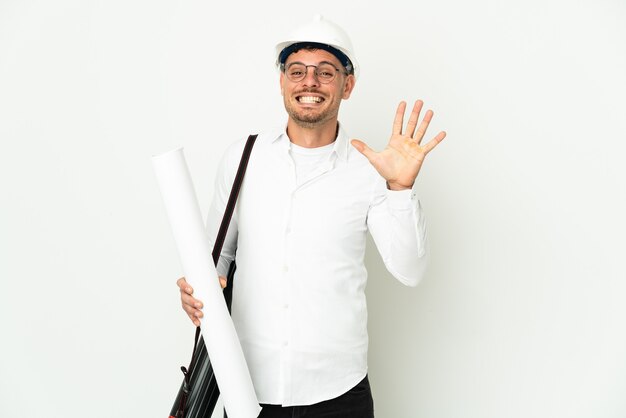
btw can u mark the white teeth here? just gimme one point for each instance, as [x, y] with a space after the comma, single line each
[310, 99]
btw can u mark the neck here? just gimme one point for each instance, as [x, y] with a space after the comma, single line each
[314, 136]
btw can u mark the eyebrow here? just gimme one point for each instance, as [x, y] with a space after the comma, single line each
[318, 64]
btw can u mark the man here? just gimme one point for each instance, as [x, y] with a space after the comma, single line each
[299, 230]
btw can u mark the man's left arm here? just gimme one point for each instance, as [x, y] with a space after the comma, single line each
[397, 225]
[396, 220]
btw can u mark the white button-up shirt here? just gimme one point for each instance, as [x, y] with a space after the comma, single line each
[298, 299]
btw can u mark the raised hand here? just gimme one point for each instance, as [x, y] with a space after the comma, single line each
[400, 162]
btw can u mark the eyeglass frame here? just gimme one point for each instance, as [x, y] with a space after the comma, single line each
[284, 67]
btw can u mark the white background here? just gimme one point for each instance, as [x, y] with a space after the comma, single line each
[522, 312]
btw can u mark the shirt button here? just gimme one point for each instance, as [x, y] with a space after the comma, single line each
[289, 230]
[285, 268]
[285, 343]
[286, 306]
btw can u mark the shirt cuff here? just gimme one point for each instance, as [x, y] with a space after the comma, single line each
[401, 199]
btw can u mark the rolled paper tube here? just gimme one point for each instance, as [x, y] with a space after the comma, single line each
[220, 337]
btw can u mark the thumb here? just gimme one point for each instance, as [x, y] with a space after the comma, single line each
[363, 148]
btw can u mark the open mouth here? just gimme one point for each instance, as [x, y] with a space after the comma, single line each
[309, 99]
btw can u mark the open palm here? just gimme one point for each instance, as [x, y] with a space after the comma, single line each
[400, 162]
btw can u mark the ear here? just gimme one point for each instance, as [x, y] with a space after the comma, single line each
[348, 86]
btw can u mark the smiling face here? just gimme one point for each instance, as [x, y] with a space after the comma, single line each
[308, 102]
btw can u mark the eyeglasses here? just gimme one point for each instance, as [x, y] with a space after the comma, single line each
[325, 72]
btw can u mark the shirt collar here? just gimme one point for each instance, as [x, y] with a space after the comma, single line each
[340, 148]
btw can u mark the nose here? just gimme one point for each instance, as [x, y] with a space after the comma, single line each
[310, 78]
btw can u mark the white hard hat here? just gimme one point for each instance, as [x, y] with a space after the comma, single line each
[324, 34]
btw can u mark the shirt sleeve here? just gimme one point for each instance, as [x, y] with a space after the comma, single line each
[224, 179]
[397, 225]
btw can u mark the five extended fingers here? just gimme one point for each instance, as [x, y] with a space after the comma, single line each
[412, 123]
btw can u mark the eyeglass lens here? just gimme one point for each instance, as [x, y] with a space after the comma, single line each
[324, 72]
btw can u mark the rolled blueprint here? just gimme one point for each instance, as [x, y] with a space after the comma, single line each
[220, 337]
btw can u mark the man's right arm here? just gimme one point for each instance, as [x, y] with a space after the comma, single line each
[223, 183]
[191, 305]
[225, 176]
